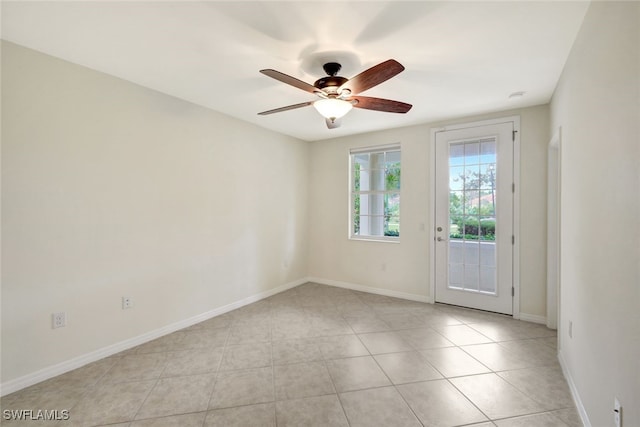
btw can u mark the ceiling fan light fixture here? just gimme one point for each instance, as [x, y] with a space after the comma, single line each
[332, 108]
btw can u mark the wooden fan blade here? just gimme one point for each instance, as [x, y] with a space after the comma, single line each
[379, 104]
[287, 108]
[284, 78]
[333, 124]
[373, 76]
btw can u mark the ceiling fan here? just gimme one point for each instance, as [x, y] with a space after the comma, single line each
[339, 94]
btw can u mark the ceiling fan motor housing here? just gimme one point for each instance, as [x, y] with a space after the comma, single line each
[331, 83]
[326, 83]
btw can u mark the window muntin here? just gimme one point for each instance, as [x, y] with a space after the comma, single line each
[375, 193]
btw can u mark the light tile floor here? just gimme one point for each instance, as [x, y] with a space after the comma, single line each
[322, 356]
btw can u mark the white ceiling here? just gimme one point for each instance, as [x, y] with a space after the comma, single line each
[461, 58]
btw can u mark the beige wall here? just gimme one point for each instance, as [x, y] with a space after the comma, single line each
[110, 189]
[404, 267]
[597, 105]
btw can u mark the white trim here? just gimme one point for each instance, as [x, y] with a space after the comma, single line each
[379, 239]
[490, 122]
[534, 318]
[574, 391]
[77, 362]
[516, 216]
[516, 203]
[376, 148]
[553, 230]
[348, 204]
[369, 289]
[432, 217]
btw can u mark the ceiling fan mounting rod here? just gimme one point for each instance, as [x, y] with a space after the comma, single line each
[332, 68]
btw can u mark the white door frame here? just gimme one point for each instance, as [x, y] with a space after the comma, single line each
[553, 230]
[516, 204]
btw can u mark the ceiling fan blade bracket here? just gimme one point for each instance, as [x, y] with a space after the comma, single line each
[344, 94]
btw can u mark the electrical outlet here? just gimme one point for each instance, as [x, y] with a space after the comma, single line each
[617, 413]
[59, 320]
[127, 302]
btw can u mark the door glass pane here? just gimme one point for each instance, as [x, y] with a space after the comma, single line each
[472, 252]
[472, 222]
[455, 275]
[488, 254]
[471, 153]
[456, 178]
[456, 155]
[456, 252]
[471, 276]
[487, 279]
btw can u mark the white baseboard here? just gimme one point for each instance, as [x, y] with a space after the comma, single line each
[574, 391]
[369, 289]
[77, 362]
[534, 318]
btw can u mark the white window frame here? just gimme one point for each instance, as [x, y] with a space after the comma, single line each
[352, 193]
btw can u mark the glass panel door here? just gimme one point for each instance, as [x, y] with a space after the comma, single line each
[474, 217]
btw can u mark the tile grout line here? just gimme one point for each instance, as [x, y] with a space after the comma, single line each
[167, 354]
[532, 414]
[273, 369]
[217, 373]
[344, 411]
[453, 385]
[469, 400]
[389, 379]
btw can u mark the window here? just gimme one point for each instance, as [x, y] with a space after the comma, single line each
[375, 193]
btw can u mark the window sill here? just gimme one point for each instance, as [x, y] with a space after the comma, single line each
[378, 239]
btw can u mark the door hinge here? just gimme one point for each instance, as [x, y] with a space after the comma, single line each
[513, 239]
[513, 187]
[513, 291]
[513, 135]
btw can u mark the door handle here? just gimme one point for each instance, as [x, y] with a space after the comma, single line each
[440, 239]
